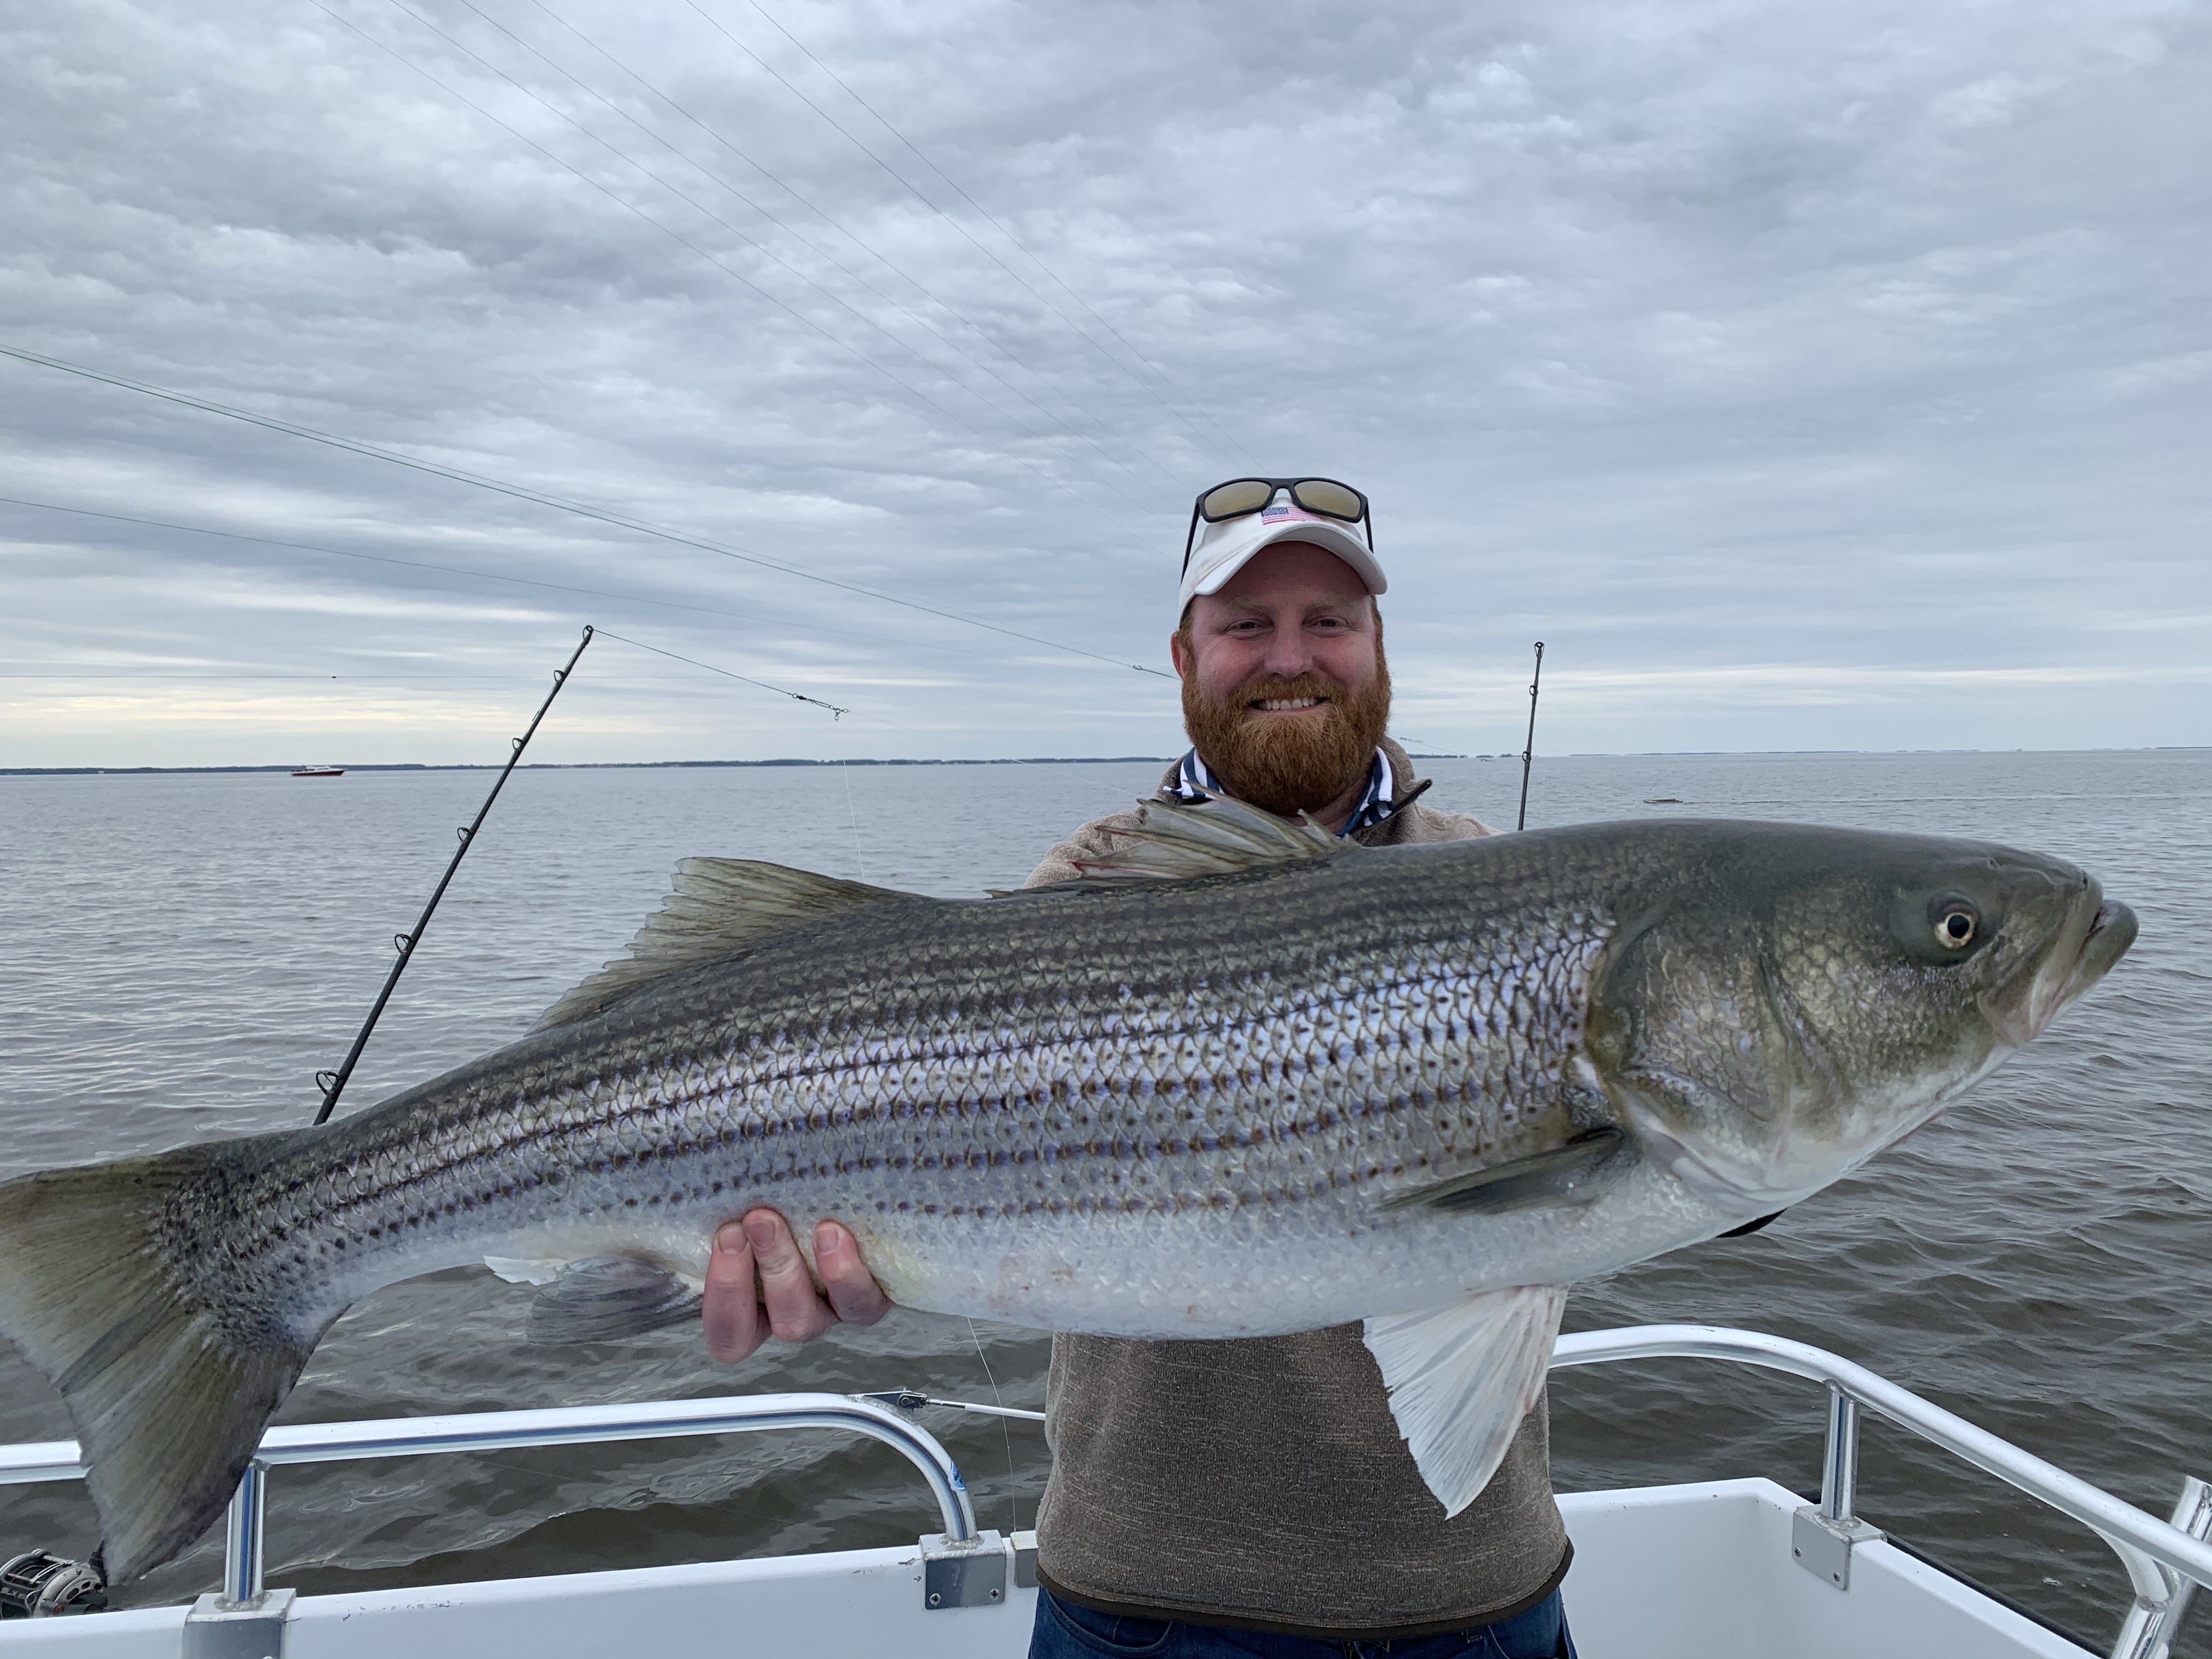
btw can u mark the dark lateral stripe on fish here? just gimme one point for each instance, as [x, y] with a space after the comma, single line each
[1120, 1149]
[655, 1122]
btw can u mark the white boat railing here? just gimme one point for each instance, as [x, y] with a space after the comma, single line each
[245, 1547]
[2164, 1560]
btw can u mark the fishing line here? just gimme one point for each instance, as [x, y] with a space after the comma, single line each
[792, 231]
[225, 677]
[1005, 1428]
[1121, 800]
[677, 236]
[985, 213]
[909, 185]
[836, 712]
[539, 498]
[765, 252]
[869, 248]
[860, 859]
[485, 576]
[844, 771]
[628, 206]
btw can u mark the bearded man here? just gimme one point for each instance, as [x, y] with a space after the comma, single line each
[1252, 1497]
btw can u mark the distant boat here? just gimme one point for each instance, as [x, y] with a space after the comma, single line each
[319, 772]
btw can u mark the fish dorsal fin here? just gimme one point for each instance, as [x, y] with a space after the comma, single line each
[1461, 1378]
[719, 908]
[1217, 836]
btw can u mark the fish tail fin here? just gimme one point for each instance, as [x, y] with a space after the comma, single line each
[169, 1396]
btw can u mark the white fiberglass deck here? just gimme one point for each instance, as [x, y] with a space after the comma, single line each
[1700, 1571]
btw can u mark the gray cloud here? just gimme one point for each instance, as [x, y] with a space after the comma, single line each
[1806, 375]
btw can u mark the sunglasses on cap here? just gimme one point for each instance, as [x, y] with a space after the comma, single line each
[1240, 498]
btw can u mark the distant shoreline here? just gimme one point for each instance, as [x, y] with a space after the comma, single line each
[585, 766]
[1026, 760]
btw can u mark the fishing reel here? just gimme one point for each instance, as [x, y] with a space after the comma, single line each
[38, 1584]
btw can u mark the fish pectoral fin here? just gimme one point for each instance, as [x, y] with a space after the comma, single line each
[605, 1297]
[1219, 837]
[1565, 1174]
[719, 908]
[1462, 1377]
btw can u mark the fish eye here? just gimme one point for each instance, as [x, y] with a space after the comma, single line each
[1957, 922]
[1947, 922]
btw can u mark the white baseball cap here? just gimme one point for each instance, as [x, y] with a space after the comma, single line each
[1221, 550]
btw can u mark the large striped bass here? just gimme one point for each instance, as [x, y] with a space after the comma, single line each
[1422, 1087]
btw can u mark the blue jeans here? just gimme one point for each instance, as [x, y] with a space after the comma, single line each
[1064, 1630]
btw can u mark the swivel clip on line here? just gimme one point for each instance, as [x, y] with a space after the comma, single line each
[332, 1084]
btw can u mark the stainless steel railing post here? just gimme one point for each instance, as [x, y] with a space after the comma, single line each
[244, 1529]
[2151, 1624]
[2192, 1514]
[1840, 1464]
[2135, 1536]
[243, 1532]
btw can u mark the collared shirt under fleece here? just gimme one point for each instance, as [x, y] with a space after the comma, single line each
[1261, 1483]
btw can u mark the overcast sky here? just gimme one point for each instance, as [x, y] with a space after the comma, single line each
[1806, 375]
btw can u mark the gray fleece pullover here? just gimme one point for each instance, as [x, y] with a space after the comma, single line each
[1261, 1483]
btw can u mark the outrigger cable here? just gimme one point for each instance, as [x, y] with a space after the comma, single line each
[1529, 750]
[332, 1084]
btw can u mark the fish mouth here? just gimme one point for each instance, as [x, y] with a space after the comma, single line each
[2091, 940]
[2112, 930]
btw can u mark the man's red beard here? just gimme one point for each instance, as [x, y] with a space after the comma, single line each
[1297, 762]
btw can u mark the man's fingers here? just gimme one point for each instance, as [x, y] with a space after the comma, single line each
[852, 1289]
[758, 1284]
[733, 1298]
[796, 1311]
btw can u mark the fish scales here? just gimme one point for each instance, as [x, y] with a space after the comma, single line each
[1027, 1057]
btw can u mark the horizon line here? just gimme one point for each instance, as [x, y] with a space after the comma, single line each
[1017, 760]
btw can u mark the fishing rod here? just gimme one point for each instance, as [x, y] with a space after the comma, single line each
[332, 1084]
[1529, 750]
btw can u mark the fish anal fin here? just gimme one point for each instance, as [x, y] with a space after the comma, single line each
[604, 1298]
[1171, 840]
[1561, 1177]
[1461, 1378]
[718, 907]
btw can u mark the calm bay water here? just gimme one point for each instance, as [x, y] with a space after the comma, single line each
[179, 954]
